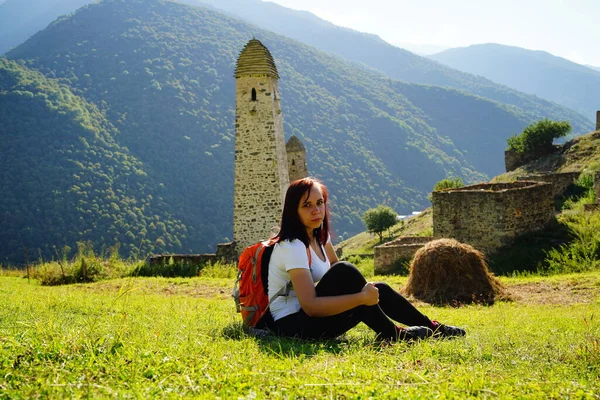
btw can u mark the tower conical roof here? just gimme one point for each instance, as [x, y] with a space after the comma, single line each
[255, 59]
[294, 144]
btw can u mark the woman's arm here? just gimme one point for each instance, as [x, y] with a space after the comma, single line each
[328, 305]
[329, 250]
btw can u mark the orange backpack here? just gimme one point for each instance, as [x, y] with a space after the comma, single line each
[250, 291]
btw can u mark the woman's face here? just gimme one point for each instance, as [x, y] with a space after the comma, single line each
[311, 209]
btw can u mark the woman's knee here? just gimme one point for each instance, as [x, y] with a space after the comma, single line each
[383, 286]
[342, 278]
[348, 270]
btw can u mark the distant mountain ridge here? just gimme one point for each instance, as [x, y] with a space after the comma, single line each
[593, 67]
[366, 49]
[20, 19]
[372, 51]
[537, 72]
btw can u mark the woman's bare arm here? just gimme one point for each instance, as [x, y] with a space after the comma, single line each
[328, 305]
[330, 251]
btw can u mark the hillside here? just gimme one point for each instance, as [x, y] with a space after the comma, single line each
[365, 49]
[579, 154]
[536, 72]
[65, 179]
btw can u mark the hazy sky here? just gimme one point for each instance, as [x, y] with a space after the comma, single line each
[565, 28]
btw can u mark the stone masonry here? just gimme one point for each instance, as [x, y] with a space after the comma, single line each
[560, 181]
[261, 175]
[490, 215]
[225, 252]
[296, 156]
[513, 159]
[402, 248]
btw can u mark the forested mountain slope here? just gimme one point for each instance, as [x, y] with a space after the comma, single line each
[64, 179]
[161, 74]
[536, 72]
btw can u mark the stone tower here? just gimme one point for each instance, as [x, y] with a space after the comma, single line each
[296, 156]
[598, 120]
[261, 174]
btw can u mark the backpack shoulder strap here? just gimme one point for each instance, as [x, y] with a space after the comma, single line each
[264, 267]
[266, 258]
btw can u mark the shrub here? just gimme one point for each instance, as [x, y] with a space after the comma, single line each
[169, 269]
[538, 135]
[219, 270]
[86, 266]
[582, 192]
[583, 252]
[448, 183]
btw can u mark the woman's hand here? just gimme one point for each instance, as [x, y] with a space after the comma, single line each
[328, 305]
[370, 294]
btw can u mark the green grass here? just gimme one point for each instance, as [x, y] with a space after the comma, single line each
[174, 337]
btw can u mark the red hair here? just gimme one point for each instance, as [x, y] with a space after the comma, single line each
[291, 226]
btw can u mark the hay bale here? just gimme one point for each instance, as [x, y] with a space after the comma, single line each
[445, 271]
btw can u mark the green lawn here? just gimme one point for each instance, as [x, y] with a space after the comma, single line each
[158, 337]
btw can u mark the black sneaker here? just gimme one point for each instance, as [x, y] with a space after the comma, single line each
[447, 331]
[414, 333]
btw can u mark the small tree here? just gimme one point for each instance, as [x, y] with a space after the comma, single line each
[538, 135]
[379, 219]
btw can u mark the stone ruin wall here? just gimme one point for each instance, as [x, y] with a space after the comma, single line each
[225, 252]
[490, 215]
[182, 259]
[514, 159]
[560, 180]
[261, 176]
[403, 248]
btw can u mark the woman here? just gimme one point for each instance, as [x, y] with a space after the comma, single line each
[303, 255]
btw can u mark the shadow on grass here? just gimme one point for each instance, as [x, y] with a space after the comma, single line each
[284, 346]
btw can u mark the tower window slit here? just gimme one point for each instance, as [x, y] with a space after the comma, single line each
[253, 94]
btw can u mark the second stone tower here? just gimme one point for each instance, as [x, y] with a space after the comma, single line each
[261, 174]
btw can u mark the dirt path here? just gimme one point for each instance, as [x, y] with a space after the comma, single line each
[576, 290]
[562, 292]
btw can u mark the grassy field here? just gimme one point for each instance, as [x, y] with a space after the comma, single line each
[173, 337]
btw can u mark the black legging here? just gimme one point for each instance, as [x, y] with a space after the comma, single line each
[343, 278]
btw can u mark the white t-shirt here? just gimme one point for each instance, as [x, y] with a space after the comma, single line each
[286, 256]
